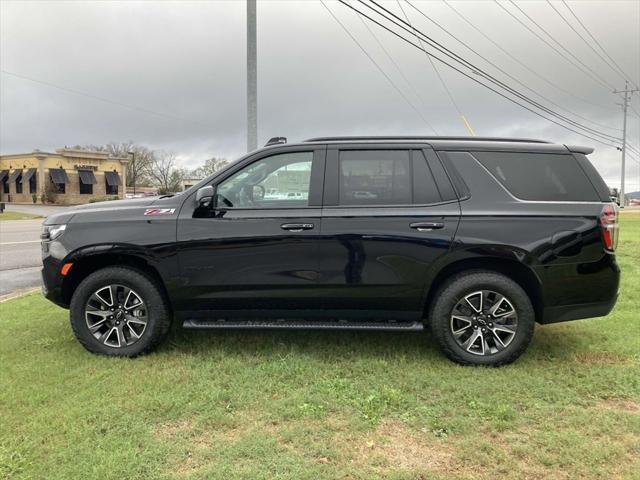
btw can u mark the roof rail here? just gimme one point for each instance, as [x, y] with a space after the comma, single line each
[276, 141]
[470, 139]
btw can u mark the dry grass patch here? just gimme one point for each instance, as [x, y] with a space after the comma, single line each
[392, 445]
[620, 404]
[601, 357]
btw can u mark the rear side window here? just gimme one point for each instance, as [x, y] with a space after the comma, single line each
[540, 176]
[385, 177]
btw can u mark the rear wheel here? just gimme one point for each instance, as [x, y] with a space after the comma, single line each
[482, 318]
[119, 311]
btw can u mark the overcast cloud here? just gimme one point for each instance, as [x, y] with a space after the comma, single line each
[186, 62]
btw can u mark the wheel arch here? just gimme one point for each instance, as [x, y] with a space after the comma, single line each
[511, 268]
[86, 264]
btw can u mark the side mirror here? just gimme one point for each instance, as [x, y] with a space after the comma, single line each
[204, 196]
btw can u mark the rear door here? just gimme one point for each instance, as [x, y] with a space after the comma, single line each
[389, 212]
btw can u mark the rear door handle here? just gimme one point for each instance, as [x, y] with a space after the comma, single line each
[427, 226]
[296, 227]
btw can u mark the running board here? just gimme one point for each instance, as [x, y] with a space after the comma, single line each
[303, 324]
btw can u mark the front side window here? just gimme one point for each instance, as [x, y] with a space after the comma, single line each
[375, 177]
[278, 181]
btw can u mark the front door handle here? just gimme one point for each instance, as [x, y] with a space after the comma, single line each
[296, 227]
[427, 226]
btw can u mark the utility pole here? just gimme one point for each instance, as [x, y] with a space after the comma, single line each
[252, 78]
[625, 105]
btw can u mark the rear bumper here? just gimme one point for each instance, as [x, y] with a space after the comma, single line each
[565, 313]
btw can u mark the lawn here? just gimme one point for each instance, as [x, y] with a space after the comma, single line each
[6, 215]
[310, 405]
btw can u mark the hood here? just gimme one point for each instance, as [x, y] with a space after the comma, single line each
[108, 206]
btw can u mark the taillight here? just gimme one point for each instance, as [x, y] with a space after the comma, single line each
[609, 224]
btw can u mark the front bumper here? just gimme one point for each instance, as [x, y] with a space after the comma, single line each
[52, 281]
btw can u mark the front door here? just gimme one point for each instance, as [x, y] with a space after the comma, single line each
[254, 252]
[388, 215]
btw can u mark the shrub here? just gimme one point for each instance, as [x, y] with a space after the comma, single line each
[34, 197]
[103, 199]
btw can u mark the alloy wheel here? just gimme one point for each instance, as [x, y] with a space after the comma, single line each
[116, 315]
[484, 322]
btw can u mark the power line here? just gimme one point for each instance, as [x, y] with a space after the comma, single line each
[473, 78]
[477, 70]
[528, 68]
[101, 99]
[519, 82]
[442, 82]
[628, 77]
[379, 68]
[593, 77]
[584, 39]
[395, 64]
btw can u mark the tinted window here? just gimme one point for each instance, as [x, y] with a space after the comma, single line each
[375, 177]
[425, 190]
[539, 176]
[278, 181]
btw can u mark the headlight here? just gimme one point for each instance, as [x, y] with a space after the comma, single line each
[51, 232]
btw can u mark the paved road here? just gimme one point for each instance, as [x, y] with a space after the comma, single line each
[20, 257]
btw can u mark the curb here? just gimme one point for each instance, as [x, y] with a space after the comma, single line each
[18, 294]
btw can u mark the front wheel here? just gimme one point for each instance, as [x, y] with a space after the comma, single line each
[482, 318]
[119, 311]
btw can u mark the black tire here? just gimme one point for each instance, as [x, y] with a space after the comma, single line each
[454, 291]
[158, 319]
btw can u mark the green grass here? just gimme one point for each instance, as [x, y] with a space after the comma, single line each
[309, 405]
[6, 215]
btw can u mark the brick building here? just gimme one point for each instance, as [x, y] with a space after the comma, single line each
[68, 176]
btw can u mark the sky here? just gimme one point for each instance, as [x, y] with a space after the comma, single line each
[171, 75]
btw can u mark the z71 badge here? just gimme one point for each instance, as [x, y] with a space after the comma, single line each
[159, 211]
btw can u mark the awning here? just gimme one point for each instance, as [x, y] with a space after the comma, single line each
[113, 179]
[87, 177]
[3, 174]
[58, 175]
[26, 176]
[15, 174]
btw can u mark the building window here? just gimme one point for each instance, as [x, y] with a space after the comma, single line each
[86, 179]
[59, 187]
[5, 185]
[112, 180]
[111, 189]
[19, 184]
[33, 185]
[86, 189]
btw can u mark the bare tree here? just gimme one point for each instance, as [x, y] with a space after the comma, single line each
[140, 162]
[164, 173]
[210, 166]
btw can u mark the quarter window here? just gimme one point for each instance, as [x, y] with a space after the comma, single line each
[278, 181]
[540, 176]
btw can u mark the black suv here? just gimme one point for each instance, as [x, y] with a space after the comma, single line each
[475, 238]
